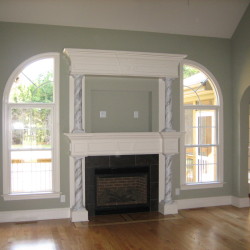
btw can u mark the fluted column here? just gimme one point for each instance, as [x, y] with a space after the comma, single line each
[77, 104]
[168, 105]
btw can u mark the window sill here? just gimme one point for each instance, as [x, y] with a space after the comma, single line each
[30, 196]
[202, 185]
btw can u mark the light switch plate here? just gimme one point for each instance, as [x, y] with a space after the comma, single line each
[136, 114]
[103, 114]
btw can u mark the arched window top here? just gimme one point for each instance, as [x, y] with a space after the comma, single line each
[199, 87]
[35, 83]
[30, 114]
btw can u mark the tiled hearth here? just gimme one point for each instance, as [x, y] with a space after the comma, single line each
[125, 161]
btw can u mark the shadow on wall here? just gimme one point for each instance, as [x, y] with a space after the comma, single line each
[244, 139]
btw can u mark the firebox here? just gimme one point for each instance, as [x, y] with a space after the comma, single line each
[120, 190]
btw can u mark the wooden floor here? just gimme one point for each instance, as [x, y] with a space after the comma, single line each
[212, 228]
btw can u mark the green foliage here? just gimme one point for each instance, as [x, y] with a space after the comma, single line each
[189, 71]
[35, 130]
[35, 122]
[39, 91]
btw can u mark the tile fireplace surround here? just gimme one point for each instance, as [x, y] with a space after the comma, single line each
[164, 143]
[130, 162]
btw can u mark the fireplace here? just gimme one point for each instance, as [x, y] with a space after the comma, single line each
[121, 184]
[84, 146]
[120, 190]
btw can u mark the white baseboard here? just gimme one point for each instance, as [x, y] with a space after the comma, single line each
[34, 215]
[204, 202]
[240, 202]
[79, 215]
[65, 213]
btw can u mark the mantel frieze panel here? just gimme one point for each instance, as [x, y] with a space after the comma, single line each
[123, 63]
[94, 144]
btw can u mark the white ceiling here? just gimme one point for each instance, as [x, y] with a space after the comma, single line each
[212, 18]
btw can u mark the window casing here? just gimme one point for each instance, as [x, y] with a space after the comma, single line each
[201, 120]
[30, 130]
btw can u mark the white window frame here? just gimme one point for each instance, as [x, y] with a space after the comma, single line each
[7, 195]
[219, 109]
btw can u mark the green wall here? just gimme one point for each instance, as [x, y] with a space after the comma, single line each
[21, 41]
[241, 98]
[120, 97]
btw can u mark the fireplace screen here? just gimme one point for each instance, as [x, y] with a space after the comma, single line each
[122, 188]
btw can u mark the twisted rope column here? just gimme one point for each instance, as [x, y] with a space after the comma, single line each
[78, 128]
[78, 104]
[78, 185]
[168, 179]
[168, 105]
[168, 128]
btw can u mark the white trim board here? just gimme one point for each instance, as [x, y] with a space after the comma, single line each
[240, 202]
[213, 202]
[65, 213]
[34, 215]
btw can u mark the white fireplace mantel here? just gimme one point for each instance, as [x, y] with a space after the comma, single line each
[123, 63]
[97, 144]
[165, 67]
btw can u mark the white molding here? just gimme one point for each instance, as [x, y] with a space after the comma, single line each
[165, 208]
[123, 63]
[34, 215]
[94, 144]
[240, 202]
[213, 201]
[11, 197]
[64, 213]
[204, 185]
[79, 215]
[204, 202]
[220, 126]
[6, 124]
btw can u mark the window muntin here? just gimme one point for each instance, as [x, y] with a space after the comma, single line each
[31, 164]
[198, 88]
[35, 84]
[201, 112]
[201, 127]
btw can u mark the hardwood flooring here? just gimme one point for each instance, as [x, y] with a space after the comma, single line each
[214, 228]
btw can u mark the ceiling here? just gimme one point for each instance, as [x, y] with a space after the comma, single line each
[211, 18]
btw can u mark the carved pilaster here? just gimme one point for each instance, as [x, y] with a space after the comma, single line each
[78, 104]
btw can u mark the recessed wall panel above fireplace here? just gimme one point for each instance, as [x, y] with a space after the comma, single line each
[120, 97]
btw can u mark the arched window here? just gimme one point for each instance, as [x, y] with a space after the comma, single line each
[202, 122]
[30, 109]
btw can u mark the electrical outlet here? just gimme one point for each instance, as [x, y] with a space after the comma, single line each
[103, 114]
[62, 198]
[136, 114]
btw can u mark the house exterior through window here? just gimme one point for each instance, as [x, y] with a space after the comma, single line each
[31, 162]
[202, 121]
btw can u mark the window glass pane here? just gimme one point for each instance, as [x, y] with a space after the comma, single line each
[31, 128]
[197, 87]
[31, 171]
[34, 84]
[201, 164]
[200, 127]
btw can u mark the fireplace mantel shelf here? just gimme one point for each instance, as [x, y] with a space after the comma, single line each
[94, 144]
